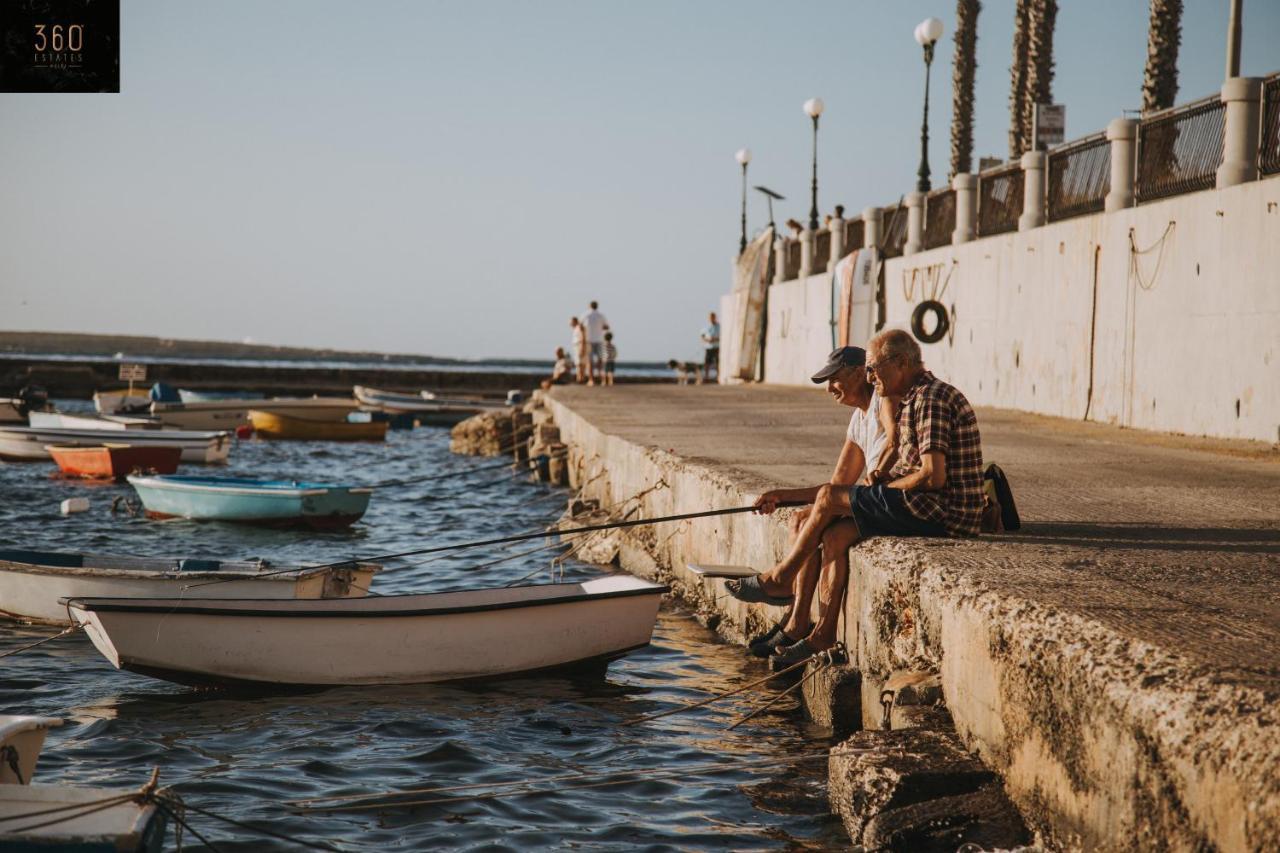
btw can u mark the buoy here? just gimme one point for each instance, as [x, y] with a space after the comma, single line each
[244, 431]
[71, 505]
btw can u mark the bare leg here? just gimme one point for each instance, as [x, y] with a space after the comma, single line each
[832, 503]
[799, 622]
[836, 541]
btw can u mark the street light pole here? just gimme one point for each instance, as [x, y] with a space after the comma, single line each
[927, 34]
[814, 107]
[743, 157]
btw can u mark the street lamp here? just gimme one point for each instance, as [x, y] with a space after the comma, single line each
[743, 157]
[813, 107]
[927, 33]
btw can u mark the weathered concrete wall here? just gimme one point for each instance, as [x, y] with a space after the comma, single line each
[1181, 336]
[1105, 742]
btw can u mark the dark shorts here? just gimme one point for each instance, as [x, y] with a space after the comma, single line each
[881, 511]
[608, 366]
[711, 358]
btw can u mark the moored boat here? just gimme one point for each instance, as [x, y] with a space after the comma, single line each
[273, 425]
[32, 582]
[281, 503]
[395, 639]
[71, 420]
[121, 400]
[27, 444]
[109, 461]
[425, 406]
[231, 413]
[35, 817]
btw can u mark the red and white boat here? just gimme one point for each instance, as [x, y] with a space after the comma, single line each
[110, 461]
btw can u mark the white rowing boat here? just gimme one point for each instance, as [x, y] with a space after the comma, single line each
[394, 639]
[57, 817]
[33, 582]
[231, 413]
[426, 407]
[27, 444]
[69, 420]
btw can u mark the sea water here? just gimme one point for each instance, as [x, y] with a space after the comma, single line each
[244, 756]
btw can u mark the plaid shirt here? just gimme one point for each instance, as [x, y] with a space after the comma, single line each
[935, 416]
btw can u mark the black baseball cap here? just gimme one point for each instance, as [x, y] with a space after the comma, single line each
[839, 360]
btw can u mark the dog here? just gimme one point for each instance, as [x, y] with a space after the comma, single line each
[686, 370]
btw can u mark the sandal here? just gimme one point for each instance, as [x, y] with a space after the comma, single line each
[769, 647]
[750, 591]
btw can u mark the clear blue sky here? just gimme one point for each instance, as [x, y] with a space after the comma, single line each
[458, 178]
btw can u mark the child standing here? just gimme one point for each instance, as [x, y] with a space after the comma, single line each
[610, 356]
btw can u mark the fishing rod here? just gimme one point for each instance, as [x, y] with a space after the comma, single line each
[522, 537]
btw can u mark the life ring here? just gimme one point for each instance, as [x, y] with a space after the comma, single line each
[942, 323]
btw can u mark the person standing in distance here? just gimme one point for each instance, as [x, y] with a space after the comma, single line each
[596, 325]
[711, 340]
[579, 348]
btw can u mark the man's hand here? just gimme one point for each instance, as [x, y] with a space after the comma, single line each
[768, 502]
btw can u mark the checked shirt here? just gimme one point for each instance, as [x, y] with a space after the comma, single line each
[935, 416]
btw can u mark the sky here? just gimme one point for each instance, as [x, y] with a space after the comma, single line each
[458, 179]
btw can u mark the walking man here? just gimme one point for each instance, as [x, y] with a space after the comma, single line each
[934, 489]
[711, 340]
[596, 325]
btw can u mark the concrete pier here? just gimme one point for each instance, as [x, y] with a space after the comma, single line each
[1117, 661]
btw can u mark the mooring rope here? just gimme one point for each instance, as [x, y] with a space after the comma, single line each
[70, 630]
[448, 475]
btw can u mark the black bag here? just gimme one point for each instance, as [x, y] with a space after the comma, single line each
[999, 483]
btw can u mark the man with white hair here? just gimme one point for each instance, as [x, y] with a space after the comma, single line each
[934, 489]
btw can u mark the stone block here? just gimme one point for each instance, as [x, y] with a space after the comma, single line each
[833, 698]
[876, 771]
[984, 817]
[547, 433]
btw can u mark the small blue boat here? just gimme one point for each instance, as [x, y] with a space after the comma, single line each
[280, 503]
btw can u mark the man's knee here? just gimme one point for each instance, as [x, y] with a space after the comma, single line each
[839, 537]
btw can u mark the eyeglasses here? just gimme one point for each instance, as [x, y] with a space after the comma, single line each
[872, 366]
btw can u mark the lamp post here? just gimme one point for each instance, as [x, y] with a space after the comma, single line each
[927, 33]
[743, 157]
[813, 108]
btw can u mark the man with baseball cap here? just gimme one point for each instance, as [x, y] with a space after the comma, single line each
[866, 452]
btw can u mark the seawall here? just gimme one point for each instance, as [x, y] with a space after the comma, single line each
[1114, 661]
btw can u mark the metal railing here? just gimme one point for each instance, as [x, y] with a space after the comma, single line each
[1180, 149]
[999, 200]
[939, 217]
[1079, 177]
[1269, 147]
[821, 251]
[893, 230]
[854, 234]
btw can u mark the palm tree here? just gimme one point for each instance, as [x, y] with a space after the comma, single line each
[962, 73]
[1018, 76]
[1039, 85]
[1160, 82]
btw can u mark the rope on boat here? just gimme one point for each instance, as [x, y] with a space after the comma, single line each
[521, 537]
[70, 630]
[529, 787]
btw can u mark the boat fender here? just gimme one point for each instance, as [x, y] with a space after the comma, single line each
[73, 505]
[244, 431]
[942, 323]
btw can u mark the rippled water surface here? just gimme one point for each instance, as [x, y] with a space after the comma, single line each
[243, 756]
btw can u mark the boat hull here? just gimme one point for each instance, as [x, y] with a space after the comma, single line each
[229, 414]
[275, 426]
[32, 591]
[321, 507]
[27, 444]
[113, 461]
[128, 826]
[386, 640]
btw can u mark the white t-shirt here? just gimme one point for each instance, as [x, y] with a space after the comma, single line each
[595, 323]
[866, 432]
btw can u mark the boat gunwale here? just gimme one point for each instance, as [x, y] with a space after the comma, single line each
[255, 491]
[208, 606]
[267, 572]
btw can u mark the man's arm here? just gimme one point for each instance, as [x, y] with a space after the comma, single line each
[931, 476]
[848, 471]
[878, 469]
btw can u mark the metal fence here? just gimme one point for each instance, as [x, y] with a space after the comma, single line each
[893, 230]
[1079, 177]
[1269, 149]
[821, 251]
[999, 200]
[1180, 149]
[939, 218]
[854, 235]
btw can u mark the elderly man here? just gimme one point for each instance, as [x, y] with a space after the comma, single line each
[866, 450]
[934, 489]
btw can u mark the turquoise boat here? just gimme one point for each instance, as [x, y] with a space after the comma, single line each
[277, 503]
